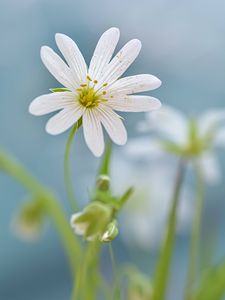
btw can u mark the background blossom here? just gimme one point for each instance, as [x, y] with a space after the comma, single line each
[171, 129]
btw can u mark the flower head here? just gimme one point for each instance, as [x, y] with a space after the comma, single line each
[94, 93]
[188, 137]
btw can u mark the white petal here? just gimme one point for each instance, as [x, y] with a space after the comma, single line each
[64, 120]
[93, 133]
[58, 68]
[134, 84]
[170, 123]
[210, 120]
[134, 104]
[210, 168]
[79, 229]
[51, 102]
[74, 218]
[120, 63]
[219, 138]
[113, 125]
[103, 52]
[73, 57]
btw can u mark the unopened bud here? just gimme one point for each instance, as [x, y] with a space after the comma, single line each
[92, 221]
[103, 183]
[28, 222]
[111, 232]
[139, 286]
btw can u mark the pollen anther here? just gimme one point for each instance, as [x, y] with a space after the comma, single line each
[89, 78]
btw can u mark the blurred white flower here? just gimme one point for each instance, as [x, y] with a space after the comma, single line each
[94, 93]
[189, 137]
[144, 216]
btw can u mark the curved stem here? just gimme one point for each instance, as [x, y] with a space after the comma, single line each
[196, 229]
[164, 261]
[50, 204]
[67, 168]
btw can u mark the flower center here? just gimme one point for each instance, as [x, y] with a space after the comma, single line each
[90, 97]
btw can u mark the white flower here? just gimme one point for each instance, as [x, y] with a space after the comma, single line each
[191, 137]
[144, 216]
[94, 93]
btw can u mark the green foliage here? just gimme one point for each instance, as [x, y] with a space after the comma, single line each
[212, 284]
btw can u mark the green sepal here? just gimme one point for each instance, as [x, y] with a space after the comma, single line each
[56, 90]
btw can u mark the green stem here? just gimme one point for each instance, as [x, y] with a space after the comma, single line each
[104, 168]
[67, 168]
[86, 281]
[51, 204]
[68, 238]
[78, 281]
[116, 289]
[196, 229]
[164, 261]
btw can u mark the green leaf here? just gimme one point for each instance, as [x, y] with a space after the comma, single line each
[212, 284]
[123, 199]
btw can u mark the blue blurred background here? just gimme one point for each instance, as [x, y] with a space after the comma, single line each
[183, 45]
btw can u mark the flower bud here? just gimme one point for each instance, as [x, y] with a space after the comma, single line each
[92, 221]
[103, 183]
[28, 222]
[139, 286]
[111, 232]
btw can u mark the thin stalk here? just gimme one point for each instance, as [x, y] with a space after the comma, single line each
[71, 244]
[67, 168]
[78, 281]
[104, 168]
[196, 230]
[116, 289]
[164, 261]
[50, 203]
[86, 281]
